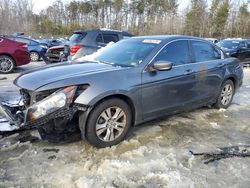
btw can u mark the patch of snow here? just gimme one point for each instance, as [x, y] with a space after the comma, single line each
[5, 126]
[215, 125]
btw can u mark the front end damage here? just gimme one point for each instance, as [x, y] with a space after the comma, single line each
[52, 112]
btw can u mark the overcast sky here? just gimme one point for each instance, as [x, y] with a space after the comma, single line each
[43, 4]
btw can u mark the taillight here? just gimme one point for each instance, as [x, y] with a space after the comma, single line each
[74, 49]
[23, 45]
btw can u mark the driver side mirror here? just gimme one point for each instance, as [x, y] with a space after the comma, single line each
[161, 66]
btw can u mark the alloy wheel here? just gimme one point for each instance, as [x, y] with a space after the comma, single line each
[111, 124]
[226, 94]
[34, 56]
[6, 64]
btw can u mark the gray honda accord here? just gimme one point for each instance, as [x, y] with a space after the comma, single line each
[126, 84]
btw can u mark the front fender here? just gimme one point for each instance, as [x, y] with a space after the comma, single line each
[90, 98]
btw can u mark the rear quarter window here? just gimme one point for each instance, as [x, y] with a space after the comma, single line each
[107, 38]
[26, 41]
[77, 37]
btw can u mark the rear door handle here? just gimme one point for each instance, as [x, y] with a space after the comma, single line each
[220, 65]
[189, 71]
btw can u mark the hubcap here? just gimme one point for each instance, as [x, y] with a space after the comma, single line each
[34, 56]
[110, 124]
[5, 64]
[226, 94]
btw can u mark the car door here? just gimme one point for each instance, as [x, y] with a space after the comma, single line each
[209, 68]
[248, 50]
[168, 91]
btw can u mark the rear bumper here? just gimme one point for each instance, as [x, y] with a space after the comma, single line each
[22, 58]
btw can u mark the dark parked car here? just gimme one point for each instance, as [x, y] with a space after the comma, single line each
[55, 54]
[12, 54]
[86, 42]
[236, 48]
[52, 42]
[36, 49]
[83, 43]
[130, 82]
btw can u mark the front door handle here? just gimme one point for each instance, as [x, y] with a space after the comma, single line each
[189, 71]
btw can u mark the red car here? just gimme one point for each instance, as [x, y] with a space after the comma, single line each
[12, 54]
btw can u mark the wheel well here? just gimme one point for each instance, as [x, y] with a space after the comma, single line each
[33, 51]
[9, 56]
[232, 79]
[122, 97]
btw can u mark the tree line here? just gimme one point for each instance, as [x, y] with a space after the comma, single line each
[203, 18]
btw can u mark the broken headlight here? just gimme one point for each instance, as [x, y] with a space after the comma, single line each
[55, 101]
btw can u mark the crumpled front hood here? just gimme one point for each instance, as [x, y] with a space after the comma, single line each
[37, 78]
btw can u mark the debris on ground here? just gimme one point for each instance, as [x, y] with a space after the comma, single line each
[226, 152]
[51, 150]
[3, 78]
[27, 138]
[52, 157]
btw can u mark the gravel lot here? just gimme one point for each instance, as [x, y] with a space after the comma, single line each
[156, 154]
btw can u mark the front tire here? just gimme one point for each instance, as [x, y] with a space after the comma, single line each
[108, 123]
[7, 64]
[225, 97]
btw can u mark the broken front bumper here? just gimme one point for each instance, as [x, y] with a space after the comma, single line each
[12, 118]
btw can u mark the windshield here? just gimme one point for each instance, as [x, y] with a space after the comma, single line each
[126, 53]
[229, 44]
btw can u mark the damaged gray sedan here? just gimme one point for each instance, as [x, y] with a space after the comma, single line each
[128, 83]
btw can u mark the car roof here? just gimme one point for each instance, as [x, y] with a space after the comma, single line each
[105, 30]
[27, 38]
[168, 37]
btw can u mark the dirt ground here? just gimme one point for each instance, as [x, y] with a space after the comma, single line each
[156, 154]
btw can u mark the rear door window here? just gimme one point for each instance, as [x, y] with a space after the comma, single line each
[176, 52]
[23, 40]
[107, 38]
[204, 51]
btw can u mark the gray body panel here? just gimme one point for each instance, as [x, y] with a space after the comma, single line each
[153, 94]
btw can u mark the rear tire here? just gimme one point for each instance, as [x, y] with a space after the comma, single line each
[225, 97]
[108, 123]
[34, 56]
[7, 64]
